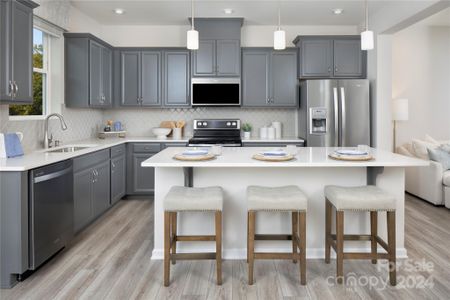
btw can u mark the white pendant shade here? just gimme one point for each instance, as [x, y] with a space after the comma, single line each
[192, 39]
[279, 40]
[367, 40]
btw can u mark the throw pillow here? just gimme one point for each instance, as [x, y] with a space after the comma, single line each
[420, 148]
[440, 156]
[445, 147]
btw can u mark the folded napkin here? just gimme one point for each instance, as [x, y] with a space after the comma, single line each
[195, 152]
[13, 147]
[274, 153]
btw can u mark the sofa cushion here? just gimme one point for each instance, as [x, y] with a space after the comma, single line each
[421, 148]
[440, 156]
[446, 178]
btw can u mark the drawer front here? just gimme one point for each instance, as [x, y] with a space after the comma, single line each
[88, 160]
[146, 147]
[118, 150]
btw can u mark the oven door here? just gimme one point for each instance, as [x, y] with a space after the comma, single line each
[216, 91]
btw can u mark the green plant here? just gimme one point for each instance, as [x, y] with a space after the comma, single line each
[246, 127]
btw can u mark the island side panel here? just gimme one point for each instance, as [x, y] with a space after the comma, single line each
[235, 181]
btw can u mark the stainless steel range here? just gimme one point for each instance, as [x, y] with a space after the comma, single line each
[224, 132]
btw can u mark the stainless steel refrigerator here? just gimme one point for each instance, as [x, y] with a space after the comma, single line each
[334, 112]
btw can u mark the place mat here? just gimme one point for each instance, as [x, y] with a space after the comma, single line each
[350, 157]
[273, 158]
[180, 156]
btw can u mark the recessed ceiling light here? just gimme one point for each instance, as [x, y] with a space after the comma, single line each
[119, 11]
[337, 11]
[228, 11]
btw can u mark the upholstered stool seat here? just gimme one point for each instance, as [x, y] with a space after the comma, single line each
[363, 198]
[182, 198]
[369, 198]
[285, 198]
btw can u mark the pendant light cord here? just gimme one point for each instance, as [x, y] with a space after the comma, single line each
[279, 16]
[192, 13]
[367, 14]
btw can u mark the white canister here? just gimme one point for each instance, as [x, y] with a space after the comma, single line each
[263, 132]
[278, 129]
[271, 133]
[176, 133]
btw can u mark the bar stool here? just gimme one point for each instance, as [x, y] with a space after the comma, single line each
[363, 198]
[283, 199]
[188, 199]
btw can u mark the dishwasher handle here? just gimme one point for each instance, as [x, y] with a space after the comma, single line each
[53, 175]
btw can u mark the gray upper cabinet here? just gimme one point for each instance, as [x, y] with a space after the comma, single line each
[221, 58]
[88, 71]
[176, 78]
[331, 57]
[269, 78]
[16, 50]
[141, 78]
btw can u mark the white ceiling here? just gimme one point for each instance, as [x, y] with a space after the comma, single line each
[442, 18]
[176, 12]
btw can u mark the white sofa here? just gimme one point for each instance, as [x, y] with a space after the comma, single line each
[430, 183]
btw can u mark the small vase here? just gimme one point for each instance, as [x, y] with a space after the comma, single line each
[247, 135]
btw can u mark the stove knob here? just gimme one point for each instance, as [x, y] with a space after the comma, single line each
[228, 124]
[234, 123]
[205, 124]
[199, 123]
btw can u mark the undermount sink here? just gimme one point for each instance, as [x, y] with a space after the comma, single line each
[67, 149]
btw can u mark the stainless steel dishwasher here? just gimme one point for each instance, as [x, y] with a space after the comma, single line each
[50, 211]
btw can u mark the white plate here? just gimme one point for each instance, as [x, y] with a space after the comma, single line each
[195, 152]
[351, 152]
[273, 153]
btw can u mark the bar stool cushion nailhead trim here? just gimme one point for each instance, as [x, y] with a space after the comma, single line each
[360, 198]
[181, 198]
[285, 198]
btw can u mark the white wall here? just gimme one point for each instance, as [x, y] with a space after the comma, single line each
[421, 73]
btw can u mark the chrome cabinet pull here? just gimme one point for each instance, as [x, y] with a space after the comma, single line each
[16, 89]
[11, 89]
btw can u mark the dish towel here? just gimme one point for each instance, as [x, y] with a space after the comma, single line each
[13, 146]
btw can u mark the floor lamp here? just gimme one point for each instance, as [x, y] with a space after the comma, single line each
[400, 112]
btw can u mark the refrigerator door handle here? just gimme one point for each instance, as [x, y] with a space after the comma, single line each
[336, 117]
[344, 117]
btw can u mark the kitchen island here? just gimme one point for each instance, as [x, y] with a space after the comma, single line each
[311, 170]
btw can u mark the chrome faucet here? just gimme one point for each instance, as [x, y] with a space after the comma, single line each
[49, 141]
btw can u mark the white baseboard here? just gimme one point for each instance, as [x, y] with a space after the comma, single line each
[239, 254]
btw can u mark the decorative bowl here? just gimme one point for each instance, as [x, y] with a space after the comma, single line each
[161, 133]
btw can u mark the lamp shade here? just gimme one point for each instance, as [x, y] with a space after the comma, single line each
[400, 111]
[279, 40]
[192, 39]
[367, 40]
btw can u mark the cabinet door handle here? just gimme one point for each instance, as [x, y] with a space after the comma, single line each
[335, 69]
[113, 164]
[329, 69]
[11, 89]
[16, 89]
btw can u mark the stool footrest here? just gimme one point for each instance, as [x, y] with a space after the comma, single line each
[193, 256]
[195, 238]
[362, 255]
[273, 237]
[275, 255]
[354, 237]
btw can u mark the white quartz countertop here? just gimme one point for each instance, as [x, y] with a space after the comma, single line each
[306, 157]
[41, 158]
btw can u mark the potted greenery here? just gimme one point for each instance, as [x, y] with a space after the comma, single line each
[247, 128]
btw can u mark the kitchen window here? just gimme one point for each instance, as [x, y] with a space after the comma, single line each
[41, 82]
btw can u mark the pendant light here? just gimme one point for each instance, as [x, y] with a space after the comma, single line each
[279, 36]
[367, 35]
[192, 34]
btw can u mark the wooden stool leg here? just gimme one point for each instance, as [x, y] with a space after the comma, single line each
[374, 234]
[166, 248]
[391, 247]
[251, 245]
[328, 218]
[218, 219]
[339, 246]
[248, 235]
[294, 234]
[302, 224]
[173, 235]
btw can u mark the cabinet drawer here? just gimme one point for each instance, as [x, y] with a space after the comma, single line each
[146, 148]
[117, 150]
[85, 161]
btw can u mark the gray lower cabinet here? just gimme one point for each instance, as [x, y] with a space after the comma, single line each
[88, 71]
[91, 187]
[221, 58]
[331, 57]
[176, 78]
[118, 173]
[269, 78]
[16, 50]
[141, 78]
[140, 180]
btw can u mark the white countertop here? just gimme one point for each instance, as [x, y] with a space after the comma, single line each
[306, 157]
[41, 158]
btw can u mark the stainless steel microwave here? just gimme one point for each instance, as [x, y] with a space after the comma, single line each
[216, 91]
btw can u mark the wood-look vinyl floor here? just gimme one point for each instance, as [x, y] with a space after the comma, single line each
[111, 260]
